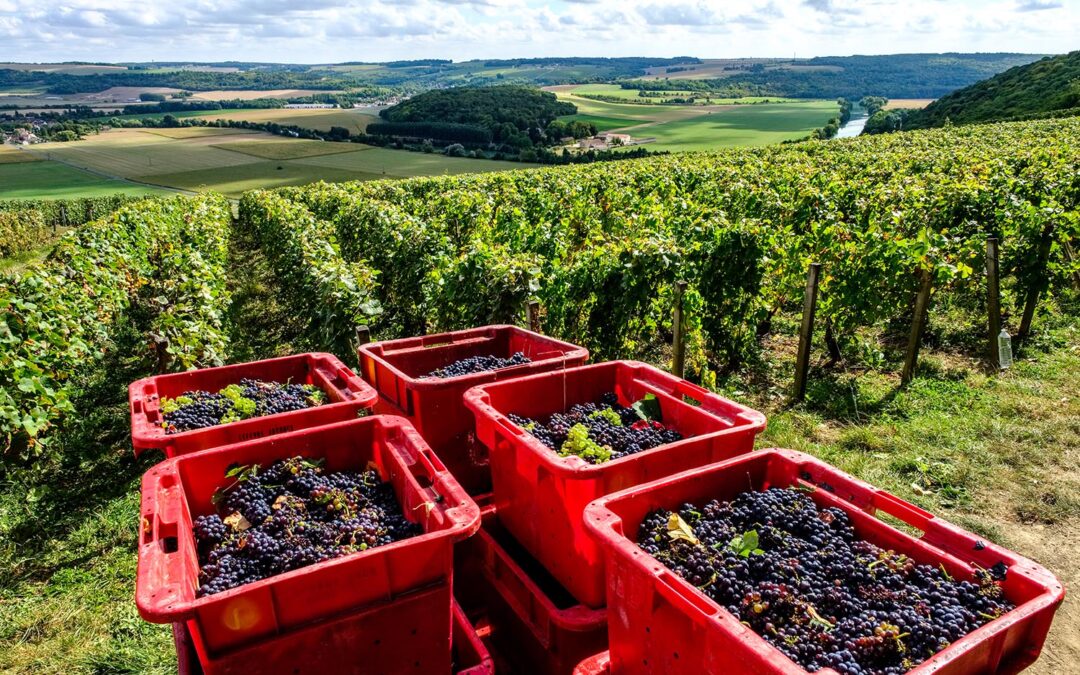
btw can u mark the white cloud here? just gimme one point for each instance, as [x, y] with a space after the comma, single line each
[1037, 5]
[320, 31]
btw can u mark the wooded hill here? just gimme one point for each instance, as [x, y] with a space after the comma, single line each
[497, 113]
[1051, 84]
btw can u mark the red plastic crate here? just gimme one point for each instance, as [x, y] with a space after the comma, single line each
[347, 395]
[469, 657]
[396, 369]
[541, 497]
[595, 665]
[663, 624]
[177, 490]
[537, 626]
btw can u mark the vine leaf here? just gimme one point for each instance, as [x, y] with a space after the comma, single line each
[746, 544]
[648, 408]
[680, 529]
[237, 521]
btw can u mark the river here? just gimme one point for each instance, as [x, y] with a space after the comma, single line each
[854, 126]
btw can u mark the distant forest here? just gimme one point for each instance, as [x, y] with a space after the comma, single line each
[417, 75]
[893, 76]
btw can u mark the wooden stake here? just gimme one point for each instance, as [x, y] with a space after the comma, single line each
[532, 314]
[918, 325]
[806, 333]
[1038, 283]
[678, 340]
[363, 336]
[161, 352]
[993, 300]
[1072, 261]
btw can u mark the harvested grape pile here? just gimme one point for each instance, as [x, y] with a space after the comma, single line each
[249, 398]
[290, 515]
[802, 580]
[478, 364]
[602, 431]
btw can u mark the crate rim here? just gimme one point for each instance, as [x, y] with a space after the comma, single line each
[478, 400]
[465, 515]
[145, 436]
[570, 351]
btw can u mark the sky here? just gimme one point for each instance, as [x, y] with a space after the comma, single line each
[327, 31]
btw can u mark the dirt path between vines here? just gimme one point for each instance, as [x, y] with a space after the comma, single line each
[1057, 547]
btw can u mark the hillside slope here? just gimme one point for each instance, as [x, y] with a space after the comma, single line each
[1047, 85]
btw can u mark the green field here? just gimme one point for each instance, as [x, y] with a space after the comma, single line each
[294, 149]
[701, 127]
[318, 119]
[741, 125]
[603, 123]
[224, 160]
[12, 155]
[53, 180]
[616, 91]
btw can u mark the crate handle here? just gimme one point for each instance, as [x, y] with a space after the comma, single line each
[449, 495]
[907, 512]
[161, 598]
[508, 426]
[692, 391]
[673, 590]
[353, 382]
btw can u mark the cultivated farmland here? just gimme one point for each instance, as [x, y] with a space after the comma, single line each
[702, 127]
[204, 158]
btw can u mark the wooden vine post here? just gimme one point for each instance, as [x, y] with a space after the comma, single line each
[1038, 282]
[1072, 262]
[918, 325]
[993, 300]
[806, 333]
[678, 327]
[532, 314]
[160, 345]
[363, 336]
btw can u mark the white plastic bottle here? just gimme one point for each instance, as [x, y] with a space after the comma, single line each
[1005, 355]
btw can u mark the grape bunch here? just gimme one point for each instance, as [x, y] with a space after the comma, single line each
[598, 432]
[802, 580]
[478, 364]
[289, 515]
[249, 398]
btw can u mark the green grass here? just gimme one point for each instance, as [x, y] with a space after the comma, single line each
[22, 259]
[53, 180]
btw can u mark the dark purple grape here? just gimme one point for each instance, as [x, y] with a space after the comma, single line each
[291, 514]
[800, 577]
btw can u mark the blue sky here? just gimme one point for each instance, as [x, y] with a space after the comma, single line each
[319, 31]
